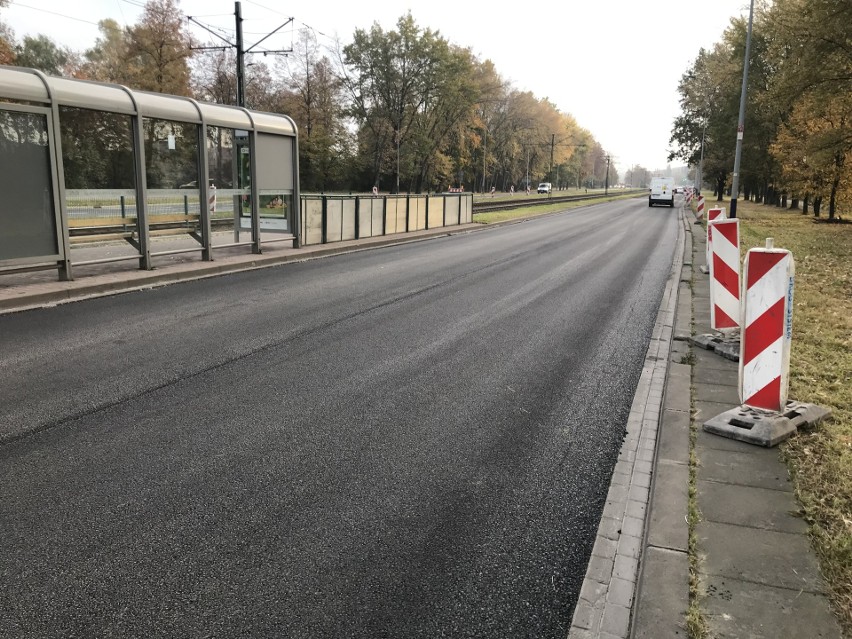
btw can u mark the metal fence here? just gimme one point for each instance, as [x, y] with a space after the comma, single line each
[334, 218]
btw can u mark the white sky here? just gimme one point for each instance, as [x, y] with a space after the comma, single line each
[612, 64]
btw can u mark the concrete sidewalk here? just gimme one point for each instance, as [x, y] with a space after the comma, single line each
[758, 576]
[32, 289]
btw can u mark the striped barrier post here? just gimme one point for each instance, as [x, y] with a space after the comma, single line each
[765, 416]
[699, 210]
[725, 275]
[211, 201]
[767, 328]
[712, 216]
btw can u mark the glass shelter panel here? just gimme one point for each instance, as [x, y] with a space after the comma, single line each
[27, 215]
[171, 166]
[275, 182]
[100, 175]
[242, 180]
[228, 171]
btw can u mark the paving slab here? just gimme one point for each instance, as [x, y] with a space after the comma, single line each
[705, 410]
[717, 392]
[660, 611]
[667, 527]
[678, 387]
[764, 557]
[711, 360]
[673, 437]
[750, 506]
[712, 376]
[679, 352]
[745, 610]
[758, 467]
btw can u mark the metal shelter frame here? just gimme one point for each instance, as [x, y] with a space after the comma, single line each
[24, 90]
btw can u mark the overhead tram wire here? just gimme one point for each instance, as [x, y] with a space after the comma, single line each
[257, 4]
[61, 15]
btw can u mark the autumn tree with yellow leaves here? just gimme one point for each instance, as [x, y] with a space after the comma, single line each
[798, 134]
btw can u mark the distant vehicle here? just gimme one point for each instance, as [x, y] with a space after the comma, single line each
[545, 187]
[662, 191]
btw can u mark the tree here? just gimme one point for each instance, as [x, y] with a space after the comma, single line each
[107, 60]
[7, 40]
[158, 50]
[798, 135]
[813, 84]
[42, 53]
[315, 100]
[813, 149]
[393, 79]
[451, 101]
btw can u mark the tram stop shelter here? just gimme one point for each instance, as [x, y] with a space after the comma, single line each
[84, 162]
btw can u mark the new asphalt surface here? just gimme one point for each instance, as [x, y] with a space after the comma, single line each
[757, 574]
[413, 441]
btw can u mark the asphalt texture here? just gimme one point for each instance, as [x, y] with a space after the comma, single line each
[414, 441]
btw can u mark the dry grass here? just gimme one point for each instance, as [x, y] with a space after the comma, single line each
[819, 457]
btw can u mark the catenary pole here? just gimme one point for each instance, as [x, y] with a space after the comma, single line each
[735, 184]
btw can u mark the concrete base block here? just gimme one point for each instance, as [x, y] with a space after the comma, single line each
[704, 269]
[765, 428]
[707, 342]
[729, 349]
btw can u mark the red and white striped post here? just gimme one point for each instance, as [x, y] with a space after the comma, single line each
[767, 328]
[699, 207]
[211, 200]
[712, 216]
[725, 275]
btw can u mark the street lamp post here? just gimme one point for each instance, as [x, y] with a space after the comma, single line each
[550, 171]
[699, 179]
[484, 153]
[735, 184]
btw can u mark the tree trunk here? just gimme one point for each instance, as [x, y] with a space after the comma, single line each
[832, 200]
[783, 204]
[805, 203]
[794, 202]
[817, 205]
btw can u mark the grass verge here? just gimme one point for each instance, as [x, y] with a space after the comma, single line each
[543, 209]
[819, 457]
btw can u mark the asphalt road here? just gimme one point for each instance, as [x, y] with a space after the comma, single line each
[413, 441]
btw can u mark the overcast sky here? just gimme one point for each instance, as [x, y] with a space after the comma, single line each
[612, 64]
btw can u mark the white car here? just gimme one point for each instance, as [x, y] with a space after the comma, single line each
[545, 187]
